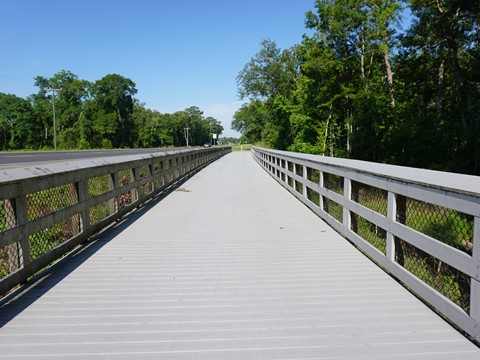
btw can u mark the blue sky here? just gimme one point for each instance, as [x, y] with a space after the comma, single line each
[180, 53]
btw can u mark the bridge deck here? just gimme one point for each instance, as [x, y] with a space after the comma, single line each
[229, 266]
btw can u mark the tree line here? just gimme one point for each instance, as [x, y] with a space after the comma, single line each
[357, 86]
[100, 114]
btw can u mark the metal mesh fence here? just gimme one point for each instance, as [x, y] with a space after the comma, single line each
[125, 177]
[377, 200]
[146, 188]
[158, 181]
[313, 175]
[290, 168]
[447, 280]
[96, 186]
[9, 260]
[298, 184]
[371, 197]
[370, 232]
[46, 202]
[49, 238]
[282, 164]
[334, 183]
[332, 208]
[448, 226]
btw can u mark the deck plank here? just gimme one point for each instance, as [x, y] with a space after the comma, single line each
[228, 266]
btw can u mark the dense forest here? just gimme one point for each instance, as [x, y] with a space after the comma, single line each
[360, 86]
[102, 114]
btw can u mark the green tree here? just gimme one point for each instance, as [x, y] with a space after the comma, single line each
[269, 78]
[215, 126]
[110, 111]
[18, 128]
[439, 62]
[68, 104]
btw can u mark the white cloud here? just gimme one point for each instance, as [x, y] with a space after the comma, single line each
[224, 113]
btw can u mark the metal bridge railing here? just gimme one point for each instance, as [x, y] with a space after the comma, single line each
[422, 226]
[46, 211]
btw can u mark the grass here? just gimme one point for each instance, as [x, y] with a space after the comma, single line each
[242, 147]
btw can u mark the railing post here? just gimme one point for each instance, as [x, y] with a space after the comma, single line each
[321, 183]
[82, 196]
[112, 185]
[392, 216]
[162, 173]
[475, 283]
[347, 194]
[16, 212]
[305, 177]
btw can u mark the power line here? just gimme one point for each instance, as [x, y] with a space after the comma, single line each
[15, 80]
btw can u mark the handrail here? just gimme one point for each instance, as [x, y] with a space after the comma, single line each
[422, 226]
[47, 210]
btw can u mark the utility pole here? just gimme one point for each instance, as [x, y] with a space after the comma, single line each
[54, 121]
[185, 133]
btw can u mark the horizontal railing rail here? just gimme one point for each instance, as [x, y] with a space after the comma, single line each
[47, 210]
[422, 226]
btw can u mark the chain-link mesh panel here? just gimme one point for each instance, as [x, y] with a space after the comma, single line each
[97, 186]
[99, 212]
[9, 255]
[298, 184]
[448, 226]
[126, 177]
[333, 183]
[282, 164]
[370, 232]
[158, 180]
[314, 176]
[47, 239]
[332, 208]
[7, 215]
[289, 178]
[146, 188]
[48, 201]
[9, 259]
[447, 280]
[3, 216]
[313, 196]
[4, 262]
[371, 197]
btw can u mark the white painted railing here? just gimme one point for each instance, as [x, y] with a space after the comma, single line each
[47, 210]
[422, 226]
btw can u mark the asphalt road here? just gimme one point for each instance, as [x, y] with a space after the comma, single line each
[20, 159]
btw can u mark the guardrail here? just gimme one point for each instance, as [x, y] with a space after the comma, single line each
[422, 226]
[46, 211]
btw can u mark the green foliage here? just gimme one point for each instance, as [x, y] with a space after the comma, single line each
[357, 88]
[103, 114]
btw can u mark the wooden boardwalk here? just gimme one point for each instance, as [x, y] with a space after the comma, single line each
[228, 266]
